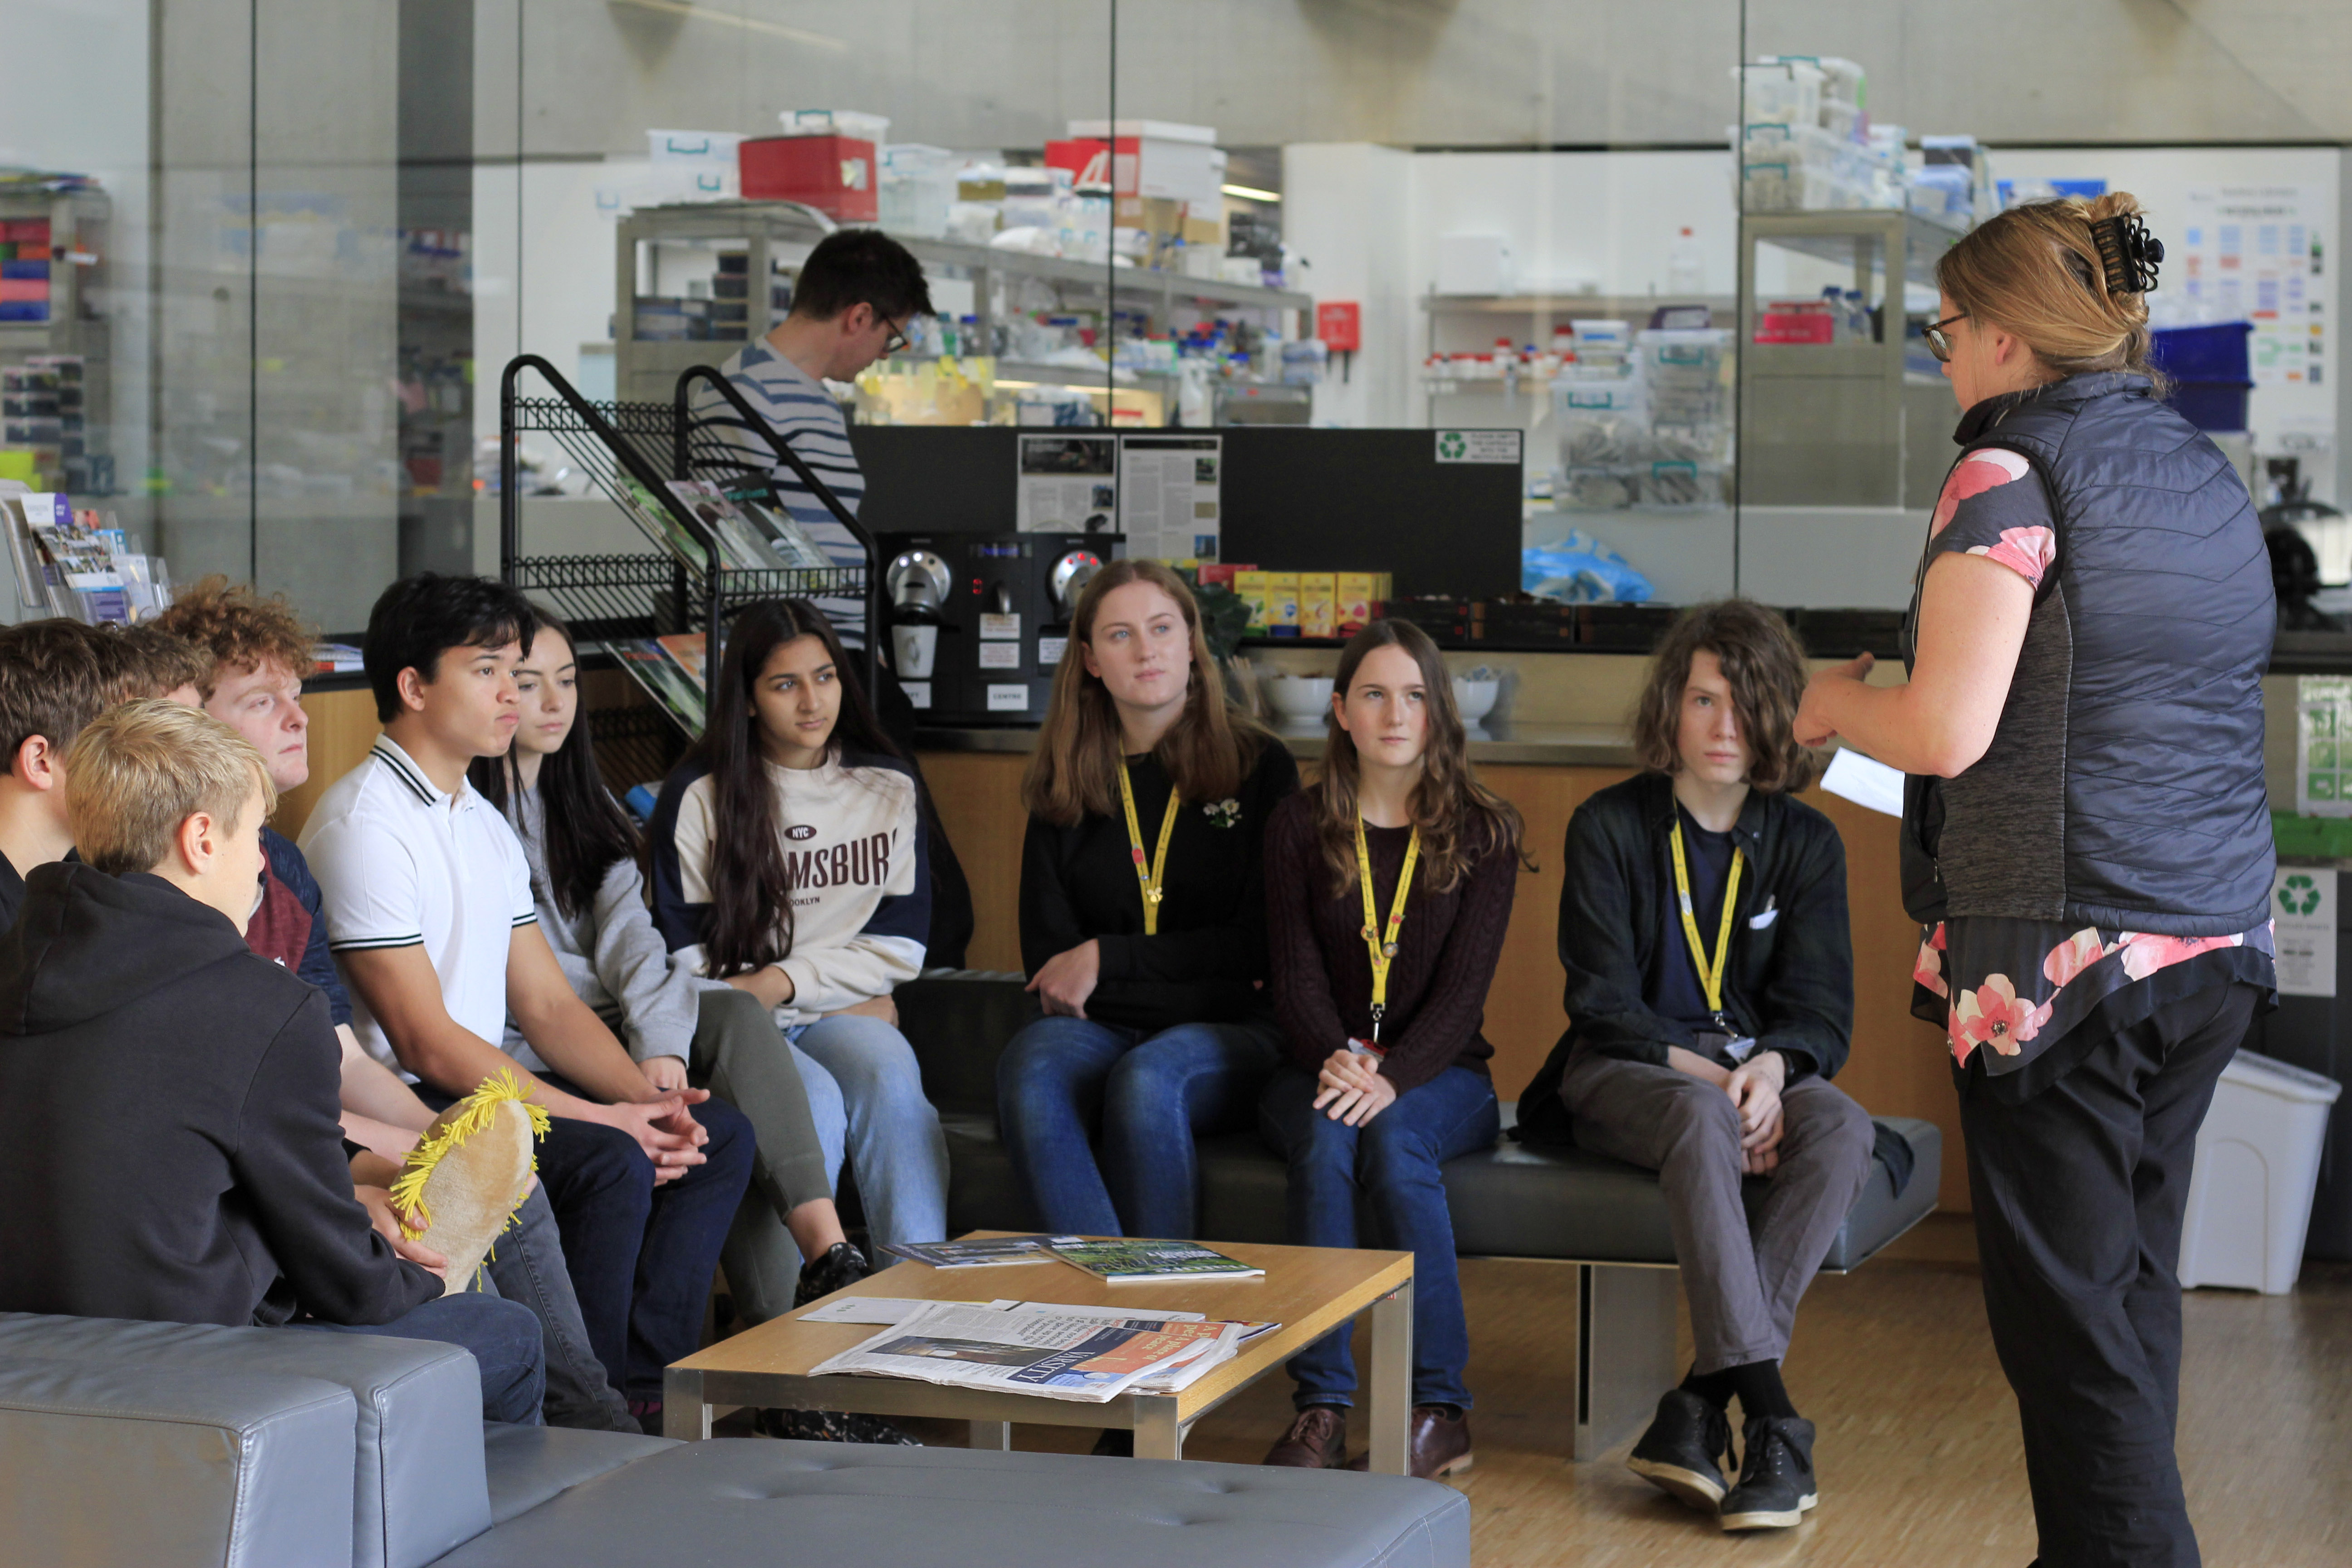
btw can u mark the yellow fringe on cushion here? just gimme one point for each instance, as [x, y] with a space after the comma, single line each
[473, 1114]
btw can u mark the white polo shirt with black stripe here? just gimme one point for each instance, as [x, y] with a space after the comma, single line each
[400, 864]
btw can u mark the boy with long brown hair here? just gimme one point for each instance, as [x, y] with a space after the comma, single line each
[1710, 998]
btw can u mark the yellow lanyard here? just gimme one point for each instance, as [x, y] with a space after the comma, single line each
[1710, 975]
[1382, 947]
[1148, 875]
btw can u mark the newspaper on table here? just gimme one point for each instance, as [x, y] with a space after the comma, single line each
[1078, 1355]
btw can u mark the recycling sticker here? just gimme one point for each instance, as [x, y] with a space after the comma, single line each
[1479, 446]
[2302, 927]
[2298, 894]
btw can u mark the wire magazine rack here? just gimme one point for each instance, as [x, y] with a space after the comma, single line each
[662, 613]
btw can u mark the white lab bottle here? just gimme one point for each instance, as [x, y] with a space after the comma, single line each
[1686, 267]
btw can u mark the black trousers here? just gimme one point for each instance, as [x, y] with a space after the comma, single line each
[2079, 1192]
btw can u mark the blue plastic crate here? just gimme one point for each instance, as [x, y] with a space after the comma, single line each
[2215, 353]
[26, 270]
[2211, 405]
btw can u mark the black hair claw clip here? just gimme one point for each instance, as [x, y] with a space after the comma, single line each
[2128, 253]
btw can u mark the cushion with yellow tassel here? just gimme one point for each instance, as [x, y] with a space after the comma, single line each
[462, 1183]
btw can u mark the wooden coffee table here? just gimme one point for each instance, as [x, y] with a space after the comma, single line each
[1309, 1290]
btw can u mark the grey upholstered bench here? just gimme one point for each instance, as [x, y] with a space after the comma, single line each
[1603, 1219]
[168, 1446]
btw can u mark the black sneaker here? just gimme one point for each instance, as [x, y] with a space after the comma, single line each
[832, 1427]
[1680, 1453]
[1776, 1475]
[841, 1265]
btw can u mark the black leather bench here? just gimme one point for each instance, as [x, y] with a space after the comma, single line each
[1605, 1219]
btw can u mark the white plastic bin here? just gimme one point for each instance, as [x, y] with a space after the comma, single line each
[2257, 1163]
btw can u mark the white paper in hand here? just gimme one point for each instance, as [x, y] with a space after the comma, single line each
[1864, 782]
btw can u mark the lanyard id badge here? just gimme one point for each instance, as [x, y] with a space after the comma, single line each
[1381, 943]
[1710, 971]
[1147, 873]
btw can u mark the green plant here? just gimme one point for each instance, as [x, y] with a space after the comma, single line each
[1224, 620]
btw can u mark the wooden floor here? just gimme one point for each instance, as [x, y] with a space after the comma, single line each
[1918, 1453]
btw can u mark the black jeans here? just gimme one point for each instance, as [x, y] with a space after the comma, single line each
[2079, 1191]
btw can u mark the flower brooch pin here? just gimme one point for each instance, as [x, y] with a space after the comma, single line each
[1224, 813]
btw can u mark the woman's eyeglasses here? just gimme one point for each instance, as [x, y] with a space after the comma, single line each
[1938, 344]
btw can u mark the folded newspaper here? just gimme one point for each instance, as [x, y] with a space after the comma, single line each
[1075, 1355]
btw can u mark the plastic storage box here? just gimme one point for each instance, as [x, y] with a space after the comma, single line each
[2257, 1165]
[834, 174]
[2211, 405]
[2212, 352]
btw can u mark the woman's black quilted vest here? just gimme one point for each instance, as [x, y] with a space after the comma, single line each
[2123, 787]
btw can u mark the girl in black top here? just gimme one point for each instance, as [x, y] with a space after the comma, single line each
[1142, 916]
[1389, 891]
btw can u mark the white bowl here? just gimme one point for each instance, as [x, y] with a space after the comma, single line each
[1475, 698]
[1300, 698]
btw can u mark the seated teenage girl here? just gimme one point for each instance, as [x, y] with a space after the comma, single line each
[1142, 916]
[582, 850]
[1389, 888]
[1710, 998]
[788, 860]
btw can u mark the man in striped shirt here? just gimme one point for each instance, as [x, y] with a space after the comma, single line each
[851, 304]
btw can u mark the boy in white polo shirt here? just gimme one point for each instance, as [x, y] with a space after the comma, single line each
[431, 920]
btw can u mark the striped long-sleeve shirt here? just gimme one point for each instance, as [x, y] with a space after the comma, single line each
[806, 414]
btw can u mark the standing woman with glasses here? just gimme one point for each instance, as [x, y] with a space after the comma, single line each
[1142, 916]
[1388, 890]
[2086, 838]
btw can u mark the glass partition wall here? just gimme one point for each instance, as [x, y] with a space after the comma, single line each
[263, 263]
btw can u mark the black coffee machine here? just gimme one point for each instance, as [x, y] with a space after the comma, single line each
[978, 621]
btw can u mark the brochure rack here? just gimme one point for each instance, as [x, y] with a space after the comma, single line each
[643, 607]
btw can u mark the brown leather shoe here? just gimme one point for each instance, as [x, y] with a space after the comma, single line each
[1436, 1444]
[1318, 1440]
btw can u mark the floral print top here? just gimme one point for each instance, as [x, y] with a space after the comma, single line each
[2006, 989]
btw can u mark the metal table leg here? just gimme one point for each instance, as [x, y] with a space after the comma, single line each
[1157, 1436]
[685, 1416]
[1391, 1381]
[994, 1435]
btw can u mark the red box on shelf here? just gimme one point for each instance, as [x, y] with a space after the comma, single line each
[32, 231]
[24, 290]
[834, 174]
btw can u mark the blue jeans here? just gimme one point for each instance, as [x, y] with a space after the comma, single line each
[866, 1093]
[1100, 1121]
[501, 1336]
[1394, 1160]
[641, 1258]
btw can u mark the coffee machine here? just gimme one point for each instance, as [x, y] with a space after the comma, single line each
[978, 621]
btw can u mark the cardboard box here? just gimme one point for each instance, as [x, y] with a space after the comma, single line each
[1221, 573]
[835, 174]
[1282, 603]
[1317, 604]
[1357, 596]
[1250, 583]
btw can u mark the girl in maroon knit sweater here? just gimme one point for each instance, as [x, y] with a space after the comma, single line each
[1389, 887]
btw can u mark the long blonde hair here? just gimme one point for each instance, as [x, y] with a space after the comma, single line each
[1209, 748]
[2035, 271]
[1462, 821]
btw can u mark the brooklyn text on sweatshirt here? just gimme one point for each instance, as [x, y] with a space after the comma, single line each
[855, 851]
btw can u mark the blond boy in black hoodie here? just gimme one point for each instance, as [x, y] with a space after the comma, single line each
[188, 1166]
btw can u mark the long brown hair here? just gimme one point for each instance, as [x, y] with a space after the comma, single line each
[1462, 822]
[751, 888]
[1765, 667]
[2035, 271]
[1207, 753]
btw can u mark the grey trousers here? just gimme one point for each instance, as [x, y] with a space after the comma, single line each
[741, 1057]
[1743, 1283]
[526, 1264]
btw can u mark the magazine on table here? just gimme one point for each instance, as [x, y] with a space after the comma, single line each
[979, 1253]
[1119, 1262]
[1176, 1379]
[1053, 1354]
